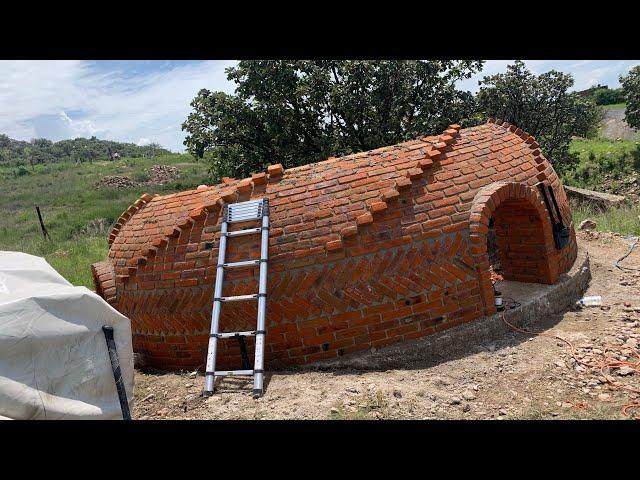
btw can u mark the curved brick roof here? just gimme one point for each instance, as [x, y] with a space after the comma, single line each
[315, 207]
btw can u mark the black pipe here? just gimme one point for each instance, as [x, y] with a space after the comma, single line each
[552, 194]
[117, 374]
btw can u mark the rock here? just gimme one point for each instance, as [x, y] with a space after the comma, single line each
[502, 412]
[587, 225]
[600, 200]
[334, 410]
[466, 408]
[189, 385]
[604, 396]
[160, 174]
[455, 401]
[397, 393]
[115, 181]
[624, 371]
[193, 374]
[468, 395]
[627, 304]
[148, 397]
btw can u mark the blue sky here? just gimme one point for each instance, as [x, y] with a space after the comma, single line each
[147, 101]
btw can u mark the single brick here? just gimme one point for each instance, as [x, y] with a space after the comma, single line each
[347, 232]
[377, 207]
[334, 245]
[275, 170]
[259, 178]
[390, 194]
[364, 219]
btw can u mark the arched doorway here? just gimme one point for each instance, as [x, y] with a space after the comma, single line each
[509, 224]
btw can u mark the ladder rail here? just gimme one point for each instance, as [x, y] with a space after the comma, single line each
[215, 314]
[258, 368]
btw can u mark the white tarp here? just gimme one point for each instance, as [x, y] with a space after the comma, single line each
[54, 362]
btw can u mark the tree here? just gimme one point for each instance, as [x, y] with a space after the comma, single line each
[542, 106]
[608, 96]
[631, 86]
[298, 112]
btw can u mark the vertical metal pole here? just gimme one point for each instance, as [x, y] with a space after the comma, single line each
[258, 368]
[117, 373]
[215, 314]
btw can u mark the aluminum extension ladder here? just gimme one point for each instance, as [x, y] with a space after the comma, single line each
[236, 213]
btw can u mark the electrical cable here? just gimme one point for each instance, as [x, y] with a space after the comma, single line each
[607, 364]
[617, 262]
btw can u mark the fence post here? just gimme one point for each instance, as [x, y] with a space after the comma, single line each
[45, 234]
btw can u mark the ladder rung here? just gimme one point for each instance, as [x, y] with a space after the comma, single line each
[227, 373]
[248, 231]
[242, 220]
[244, 263]
[248, 333]
[239, 298]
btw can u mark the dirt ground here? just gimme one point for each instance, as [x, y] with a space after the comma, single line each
[614, 125]
[519, 376]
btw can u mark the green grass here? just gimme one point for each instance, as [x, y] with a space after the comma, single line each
[625, 220]
[601, 146]
[602, 159]
[77, 214]
[613, 106]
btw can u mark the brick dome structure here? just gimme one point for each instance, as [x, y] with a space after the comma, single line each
[365, 250]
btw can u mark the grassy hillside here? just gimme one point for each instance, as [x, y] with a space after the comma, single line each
[602, 164]
[77, 214]
[611, 166]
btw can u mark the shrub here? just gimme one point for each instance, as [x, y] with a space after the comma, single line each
[608, 96]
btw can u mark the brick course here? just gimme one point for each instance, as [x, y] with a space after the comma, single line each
[365, 250]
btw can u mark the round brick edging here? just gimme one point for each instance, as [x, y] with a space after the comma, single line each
[468, 338]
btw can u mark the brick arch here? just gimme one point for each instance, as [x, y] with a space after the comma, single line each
[525, 236]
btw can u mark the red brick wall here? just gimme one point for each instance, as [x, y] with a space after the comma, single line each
[365, 251]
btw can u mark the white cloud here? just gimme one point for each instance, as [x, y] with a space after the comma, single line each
[586, 73]
[143, 141]
[71, 98]
[37, 96]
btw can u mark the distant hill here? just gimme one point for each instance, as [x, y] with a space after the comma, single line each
[41, 150]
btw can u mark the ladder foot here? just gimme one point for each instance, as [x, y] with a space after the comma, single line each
[207, 393]
[257, 393]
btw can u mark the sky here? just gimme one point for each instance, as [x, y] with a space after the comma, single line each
[147, 101]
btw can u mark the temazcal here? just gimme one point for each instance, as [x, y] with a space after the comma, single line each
[364, 250]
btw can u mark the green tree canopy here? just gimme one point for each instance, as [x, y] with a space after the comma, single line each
[542, 106]
[298, 112]
[631, 86]
[41, 150]
[608, 96]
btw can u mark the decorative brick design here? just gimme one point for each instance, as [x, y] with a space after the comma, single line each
[365, 250]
